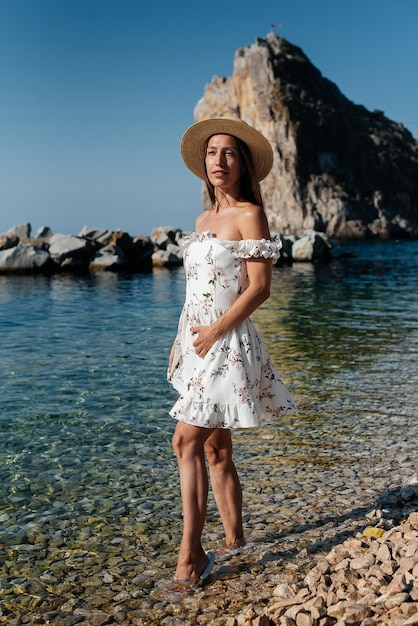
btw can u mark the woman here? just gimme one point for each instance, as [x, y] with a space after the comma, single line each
[218, 363]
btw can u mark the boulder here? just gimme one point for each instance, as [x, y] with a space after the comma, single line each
[21, 230]
[63, 247]
[143, 248]
[110, 257]
[140, 257]
[39, 243]
[163, 258]
[311, 246]
[286, 249]
[24, 258]
[44, 233]
[8, 241]
[163, 235]
[173, 248]
[124, 241]
[98, 235]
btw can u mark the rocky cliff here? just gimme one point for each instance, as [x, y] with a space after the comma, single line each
[339, 168]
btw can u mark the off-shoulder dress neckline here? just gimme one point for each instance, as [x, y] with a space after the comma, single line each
[208, 234]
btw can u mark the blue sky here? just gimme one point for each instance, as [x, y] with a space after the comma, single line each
[96, 94]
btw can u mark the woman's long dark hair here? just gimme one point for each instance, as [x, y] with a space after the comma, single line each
[250, 187]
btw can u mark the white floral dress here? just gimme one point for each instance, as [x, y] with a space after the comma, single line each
[236, 383]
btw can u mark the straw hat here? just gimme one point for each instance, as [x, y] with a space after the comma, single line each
[194, 139]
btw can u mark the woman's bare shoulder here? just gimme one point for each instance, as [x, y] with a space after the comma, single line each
[253, 222]
[200, 218]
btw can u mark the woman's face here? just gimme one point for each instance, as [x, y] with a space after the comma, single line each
[223, 161]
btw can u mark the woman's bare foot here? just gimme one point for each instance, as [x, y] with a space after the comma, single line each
[229, 549]
[185, 585]
[191, 566]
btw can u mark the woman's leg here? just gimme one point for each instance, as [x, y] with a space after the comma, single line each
[188, 444]
[226, 485]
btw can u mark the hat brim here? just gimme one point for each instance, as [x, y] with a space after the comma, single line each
[194, 139]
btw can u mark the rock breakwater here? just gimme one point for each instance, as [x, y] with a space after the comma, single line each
[100, 249]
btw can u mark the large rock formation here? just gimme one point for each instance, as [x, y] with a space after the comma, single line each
[338, 167]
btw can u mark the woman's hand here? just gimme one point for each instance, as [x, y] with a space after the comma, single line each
[205, 339]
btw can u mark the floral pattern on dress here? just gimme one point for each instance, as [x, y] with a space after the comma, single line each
[236, 383]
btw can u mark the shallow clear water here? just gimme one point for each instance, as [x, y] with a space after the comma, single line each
[83, 375]
[345, 335]
[85, 447]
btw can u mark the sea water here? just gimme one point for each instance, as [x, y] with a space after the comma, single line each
[85, 437]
